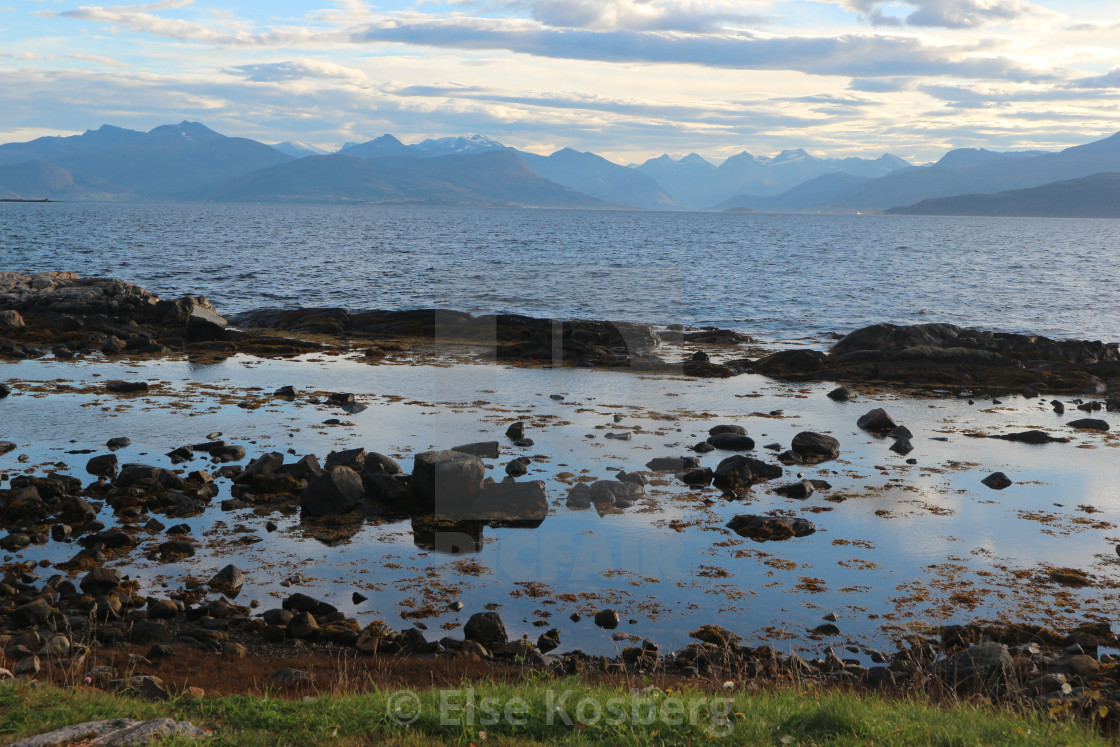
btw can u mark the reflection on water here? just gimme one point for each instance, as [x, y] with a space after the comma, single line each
[897, 543]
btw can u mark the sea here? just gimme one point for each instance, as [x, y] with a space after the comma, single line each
[779, 277]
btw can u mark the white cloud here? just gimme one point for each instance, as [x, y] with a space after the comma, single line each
[953, 14]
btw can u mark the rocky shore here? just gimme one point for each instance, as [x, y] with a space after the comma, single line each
[62, 314]
[81, 617]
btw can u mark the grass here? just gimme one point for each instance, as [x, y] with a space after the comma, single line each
[775, 716]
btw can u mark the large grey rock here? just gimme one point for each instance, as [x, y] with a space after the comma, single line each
[486, 628]
[105, 465]
[815, 447]
[877, 421]
[616, 493]
[512, 501]
[483, 449]
[447, 482]
[727, 441]
[336, 491]
[229, 580]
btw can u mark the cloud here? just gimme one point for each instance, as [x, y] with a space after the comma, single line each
[954, 14]
[881, 85]
[98, 59]
[647, 15]
[272, 72]
[858, 55]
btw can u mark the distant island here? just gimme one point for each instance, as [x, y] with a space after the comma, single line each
[1096, 196]
[189, 162]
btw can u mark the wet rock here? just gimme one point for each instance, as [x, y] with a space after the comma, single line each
[696, 476]
[286, 391]
[717, 429]
[119, 442]
[703, 447]
[5, 390]
[516, 431]
[635, 477]
[263, 466]
[299, 602]
[336, 491]
[902, 446]
[790, 362]
[127, 387]
[229, 453]
[357, 597]
[616, 493]
[355, 459]
[181, 454]
[548, 640]
[672, 464]
[486, 628]
[447, 482]
[579, 496]
[105, 465]
[512, 502]
[1089, 424]
[229, 580]
[770, 528]
[518, 467]
[997, 481]
[607, 619]
[840, 394]
[815, 447]
[7, 447]
[388, 465]
[1031, 437]
[172, 549]
[482, 449]
[734, 474]
[731, 441]
[1058, 406]
[877, 421]
[715, 635]
[800, 490]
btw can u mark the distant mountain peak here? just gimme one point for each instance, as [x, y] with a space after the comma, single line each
[459, 144]
[795, 154]
[694, 159]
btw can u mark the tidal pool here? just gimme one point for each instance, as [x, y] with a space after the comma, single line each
[898, 546]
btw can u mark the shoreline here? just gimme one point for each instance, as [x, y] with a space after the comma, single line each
[216, 625]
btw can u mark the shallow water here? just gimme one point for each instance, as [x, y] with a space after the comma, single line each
[896, 551]
[780, 277]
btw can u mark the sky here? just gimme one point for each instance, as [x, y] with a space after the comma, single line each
[628, 79]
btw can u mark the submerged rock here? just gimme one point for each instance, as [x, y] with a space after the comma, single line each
[770, 528]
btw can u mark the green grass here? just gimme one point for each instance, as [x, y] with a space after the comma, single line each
[773, 717]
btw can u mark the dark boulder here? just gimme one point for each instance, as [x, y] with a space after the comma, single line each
[770, 528]
[1089, 424]
[877, 421]
[486, 628]
[815, 447]
[105, 465]
[734, 474]
[1031, 437]
[997, 481]
[336, 491]
[726, 441]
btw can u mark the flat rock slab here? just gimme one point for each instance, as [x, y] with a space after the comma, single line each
[116, 732]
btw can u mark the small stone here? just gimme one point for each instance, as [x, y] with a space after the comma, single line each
[607, 619]
[997, 481]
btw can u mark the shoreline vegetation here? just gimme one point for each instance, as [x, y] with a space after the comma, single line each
[102, 646]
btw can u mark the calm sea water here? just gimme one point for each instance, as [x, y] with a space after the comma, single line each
[777, 276]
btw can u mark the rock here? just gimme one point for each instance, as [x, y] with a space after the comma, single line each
[120, 732]
[100, 581]
[672, 464]
[1031, 437]
[293, 678]
[11, 318]
[447, 482]
[696, 476]
[229, 580]
[511, 502]
[840, 394]
[548, 640]
[607, 619]
[149, 631]
[997, 481]
[105, 465]
[358, 597]
[815, 447]
[7, 447]
[482, 449]
[1089, 424]
[579, 496]
[1082, 664]
[616, 493]
[731, 441]
[303, 625]
[717, 429]
[31, 614]
[176, 549]
[336, 491]
[984, 668]
[28, 665]
[516, 431]
[286, 391]
[902, 446]
[518, 467]
[770, 528]
[263, 466]
[880, 678]
[877, 421]
[801, 490]
[302, 603]
[355, 459]
[486, 628]
[715, 635]
[1058, 406]
[119, 442]
[375, 461]
[127, 387]
[230, 453]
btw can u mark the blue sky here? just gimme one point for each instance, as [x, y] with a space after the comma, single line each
[626, 78]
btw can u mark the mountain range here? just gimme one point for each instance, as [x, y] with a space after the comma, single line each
[189, 161]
